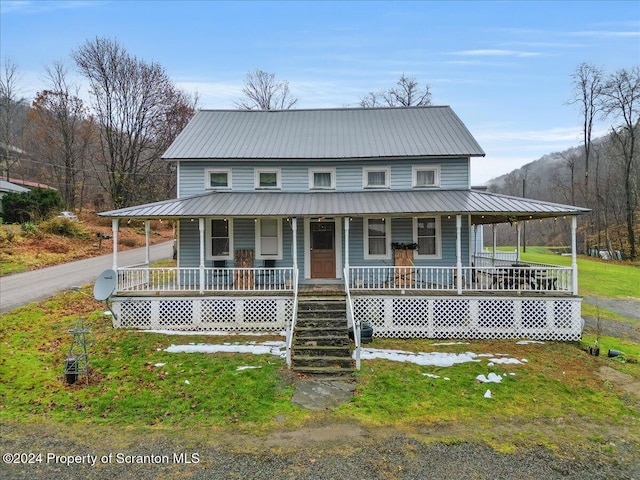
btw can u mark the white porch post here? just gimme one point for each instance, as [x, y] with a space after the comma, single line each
[493, 255]
[114, 231]
[294, 246]
[459, 253]
[574, 260]
[518, 245]
[346, 247]
[147, 231]
[201, 229]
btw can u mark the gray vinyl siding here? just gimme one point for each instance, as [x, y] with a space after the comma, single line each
[402, 232]
[243, 238]
[454, 174]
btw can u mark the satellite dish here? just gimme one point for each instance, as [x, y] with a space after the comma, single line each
[105, 285]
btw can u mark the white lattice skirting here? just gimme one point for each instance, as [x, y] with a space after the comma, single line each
[258, 314]
[456, 317]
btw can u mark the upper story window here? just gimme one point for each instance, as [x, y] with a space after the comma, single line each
[426, 176]
[268, 179]
[322, 178]
[375, 177]
[218, 179]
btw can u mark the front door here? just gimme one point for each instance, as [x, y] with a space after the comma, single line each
[323, 253]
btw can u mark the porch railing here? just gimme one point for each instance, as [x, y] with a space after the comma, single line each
[171, 279]
[294, 318]
[506, 277]
[351, 318]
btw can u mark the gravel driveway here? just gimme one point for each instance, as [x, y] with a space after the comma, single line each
[353, 453]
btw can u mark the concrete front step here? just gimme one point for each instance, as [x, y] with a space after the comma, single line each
[322, 320]
[322, 350]
[322, 361]
[318, 338]
[325, 372]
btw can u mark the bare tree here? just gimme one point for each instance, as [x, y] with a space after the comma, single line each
[263, 92]
[61, 134]
[134, 103]
[620, 99]
[12, 106]
[406, 93]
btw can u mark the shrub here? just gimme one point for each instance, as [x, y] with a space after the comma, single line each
[31, 205]
[65, 227]
[30, 229]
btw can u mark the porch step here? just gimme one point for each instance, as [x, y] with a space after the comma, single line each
[321, 338]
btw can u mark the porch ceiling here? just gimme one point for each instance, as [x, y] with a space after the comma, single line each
[484, 207]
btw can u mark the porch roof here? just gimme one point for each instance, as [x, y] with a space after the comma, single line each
[484, 207]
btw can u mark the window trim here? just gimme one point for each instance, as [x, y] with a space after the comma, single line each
[387, 230]
[423, 168]
[207, 178]
[208, 238]
[258, 238]
[438, 254]
[330, 170]
[256, 178]
[365, 177]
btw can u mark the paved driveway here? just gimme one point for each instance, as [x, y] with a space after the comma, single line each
[23, 288]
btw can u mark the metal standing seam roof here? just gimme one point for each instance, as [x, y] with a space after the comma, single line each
[486, 207]
[323, 134]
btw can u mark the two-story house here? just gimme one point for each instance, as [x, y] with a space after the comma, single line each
[375, 205]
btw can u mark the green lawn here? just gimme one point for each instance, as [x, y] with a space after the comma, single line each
[130, 387]
[598, 278]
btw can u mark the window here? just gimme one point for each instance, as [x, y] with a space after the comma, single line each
[426, 176]
[377, 234]
[219, 179]
[322, 178]
[427, 235]
[267, 179]
[220, 231]
[269, 238]
[375, 178]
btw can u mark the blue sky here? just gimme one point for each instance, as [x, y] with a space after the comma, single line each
[504, 67]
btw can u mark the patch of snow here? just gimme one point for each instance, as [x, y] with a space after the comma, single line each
[527, 342]
[107, 314]
[431, 375]
[159, 364]
[187, 382]
[247, 367]
[438, 359]
[487, 394]
[513, 361]
[490, 364]
[525, 360]
[214, 333]
[275, 348]
[491, 378]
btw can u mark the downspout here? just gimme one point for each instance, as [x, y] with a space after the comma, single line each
[459, 253]
[201, 228]
[114, 231]
[574, 260]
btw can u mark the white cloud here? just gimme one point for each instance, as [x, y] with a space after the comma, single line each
[496, 53]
